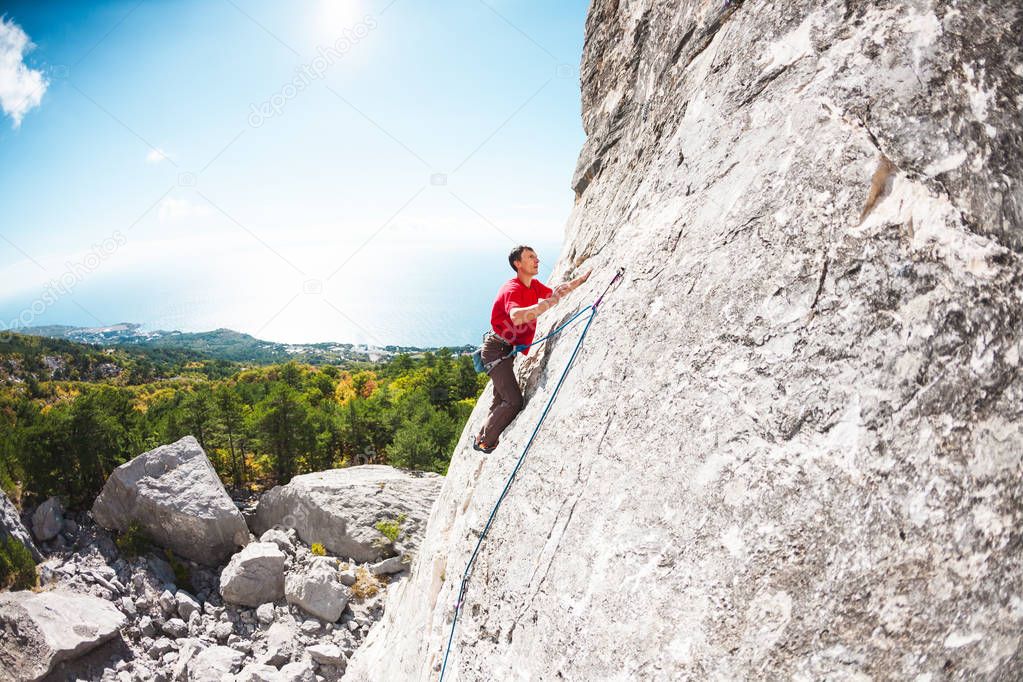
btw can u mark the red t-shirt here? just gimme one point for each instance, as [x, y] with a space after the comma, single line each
[515, 294]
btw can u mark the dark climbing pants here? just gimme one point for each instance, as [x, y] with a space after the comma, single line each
[507, 396]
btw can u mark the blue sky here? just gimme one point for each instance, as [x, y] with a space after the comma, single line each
[350, 170]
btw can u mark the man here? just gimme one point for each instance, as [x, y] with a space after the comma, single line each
[519, 302]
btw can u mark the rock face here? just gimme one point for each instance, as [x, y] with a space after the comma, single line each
[340, 508]
[12, 527]
[40, 630]
[175, 494]
[791, 445]
[254, 575]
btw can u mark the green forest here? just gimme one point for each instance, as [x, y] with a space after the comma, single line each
[70, 413]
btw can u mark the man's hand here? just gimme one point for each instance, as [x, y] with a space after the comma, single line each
[565, 288]
[524, 315]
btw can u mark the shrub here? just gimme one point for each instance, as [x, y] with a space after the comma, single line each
[318, 550]
[134, 541]
[389, 529]
[366, 584]
[17, 569]
[182, 574]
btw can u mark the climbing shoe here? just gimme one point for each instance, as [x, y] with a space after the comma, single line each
[477, 444]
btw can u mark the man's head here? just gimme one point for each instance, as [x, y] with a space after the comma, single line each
[524, 261]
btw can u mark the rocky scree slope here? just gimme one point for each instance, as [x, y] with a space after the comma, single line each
[791, 445]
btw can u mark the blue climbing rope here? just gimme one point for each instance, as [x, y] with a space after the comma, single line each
[550, 401]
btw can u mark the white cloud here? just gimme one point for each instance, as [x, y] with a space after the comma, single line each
[173, 209]
[156, 155]
[21, 88]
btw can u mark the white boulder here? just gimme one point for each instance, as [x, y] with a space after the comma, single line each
[40, 630]
[48, 520]
[340, 508]
[254, 575]
[316, 588]
[176, 496]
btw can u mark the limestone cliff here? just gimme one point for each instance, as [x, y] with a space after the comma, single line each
[791, 445]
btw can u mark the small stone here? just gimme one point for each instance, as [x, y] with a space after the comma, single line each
[167, 603]
[146, 626]
[128, 607]
[186, 604]
[310, 627]
[280, 538]
[222, 630]
[212, 664]
[256, 672]
[388, 566]
[326, 654]
[160, 647]
[175, 627]
[265, 612]
[298, 671]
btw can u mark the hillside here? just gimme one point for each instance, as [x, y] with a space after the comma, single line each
[790, 447]
[27, 358]
[227, 344]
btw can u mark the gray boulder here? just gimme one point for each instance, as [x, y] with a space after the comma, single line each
[254, 575]
[316, 588]
[48, 520]
[176, 496]
[11, 526]
[40, 630]
[340, 508]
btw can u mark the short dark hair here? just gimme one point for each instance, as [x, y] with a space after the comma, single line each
[516, 254]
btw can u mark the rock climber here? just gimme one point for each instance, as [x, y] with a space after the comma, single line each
[519, 302]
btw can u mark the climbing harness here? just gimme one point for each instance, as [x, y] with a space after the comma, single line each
[477, 356]
[522, 457]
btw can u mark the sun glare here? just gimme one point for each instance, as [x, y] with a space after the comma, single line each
[335, 15]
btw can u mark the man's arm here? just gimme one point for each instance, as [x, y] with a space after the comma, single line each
[529, 313]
